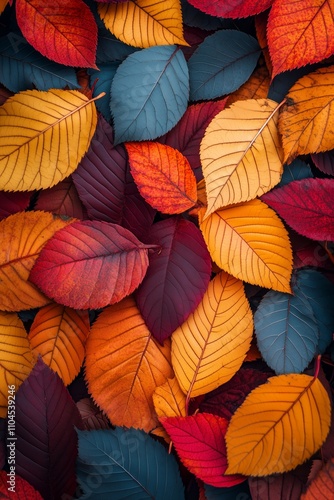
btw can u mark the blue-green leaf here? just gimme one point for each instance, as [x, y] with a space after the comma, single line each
[297, 170]
[22, 67]
[149, 93]
[222, 63]
[126, 464]
[319, 292]
[286, 332]
[101, 80]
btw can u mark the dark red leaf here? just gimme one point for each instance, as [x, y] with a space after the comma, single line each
[22, 490]
[324, 162]
[61, 199]
[199, 441]
[177, 276]
[4, 94]
[106, 187]
[279, 486]
[232, 8]
[186, 136]
[92, 416]
[306, 206]
[11, 203]
[194, 37]
[46, 445]
[308, 252]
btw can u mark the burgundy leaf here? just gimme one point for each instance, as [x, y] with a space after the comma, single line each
[306, 206]
[177, 276]
[324, 162]
[46, 445]
[4, 94]
[62, 199]
[308, 252]
[92, 416]
[289, 485]
[194, 37]
[186, 136]
[11, 203]
[106, 187]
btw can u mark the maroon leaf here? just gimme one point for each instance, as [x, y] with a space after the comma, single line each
[308, 252]
[177, 276]
[289, 485]
[92, 416]
[4, 94]
[307, 206]
[324, 162]
[20, 488]
[61, 199]
[232, 8]
[106, 187]
[46, 445]
[188, 133]
[11, 203]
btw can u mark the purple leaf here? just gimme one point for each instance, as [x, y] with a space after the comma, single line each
[324, 161]
[46, 445]
[177, 276]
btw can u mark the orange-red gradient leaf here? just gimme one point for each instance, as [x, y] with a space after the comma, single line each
[249, 241]
[169, 399]
[59, 334]
[22, 236]
[280, 425]
[90, 264]
[322, 485]
[143, 23]
[306, 121]
[16, 357]
[210, 346]
[124, 366]
[299, 33]
[64, 31]
[163, 176]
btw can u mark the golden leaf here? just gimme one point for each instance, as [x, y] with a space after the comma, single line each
[169, 400]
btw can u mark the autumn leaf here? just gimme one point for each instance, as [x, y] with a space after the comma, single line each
[169, 400]
[70, 26]
[306, 121]
[210, 346]
[256, 87]
[299, 33]
[241, 153]
[322, 485]
[234, 8]
[163, 176]
[143, 24]
[124, 365]
[44, 136]
[61, 199]
[93, 271]
[236, 242]
[22, 488]
[271, 432]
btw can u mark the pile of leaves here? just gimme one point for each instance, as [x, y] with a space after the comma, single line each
[166, 265]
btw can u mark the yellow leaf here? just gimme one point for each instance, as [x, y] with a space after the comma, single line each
[307, 119]
[241, 154]
[22, 236]
[43, 137]
[59, 334]
[280, 425]
[169, 400]
[16, 358]
[124, 365]
[210, 346]
[249, 241]
[144, 23]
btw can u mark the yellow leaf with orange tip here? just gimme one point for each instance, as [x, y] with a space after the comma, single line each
[169, 400]
[249, 241]
[210, 346]
[43, 137]
[256, 87]
[306, 121]
[23, 235]
[124, 366]
[241, 153]
[280, 425]
[16, 357]
[59, 334]
[3, 4]
[144, 23]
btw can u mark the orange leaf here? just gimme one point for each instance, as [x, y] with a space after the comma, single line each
[23, 236]
[300, 33]
[59, 334]
[16, 357]
[322, 485]
[143, 23]
[256, 87]
[279, 426]
[306, 122]
[163, 176]
[3, 4]
[124, 365]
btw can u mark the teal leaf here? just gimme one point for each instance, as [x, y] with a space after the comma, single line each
[297, 170]
[23, 68]
[221, 64]
[149, 93]
[286, 332]
[126, 464]
[101, 80]
[319, 292]
[239, 491]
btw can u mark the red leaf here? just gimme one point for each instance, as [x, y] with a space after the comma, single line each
[64, 31]
[46, 445]
[307, 206]
[22, 489]
[11, 203]
[324, 162]
[177, 276]
[92, 265]
[61, 199]
[188, 133]
[199, 441]
[308, 252]
[107, 188]
[232, 8]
